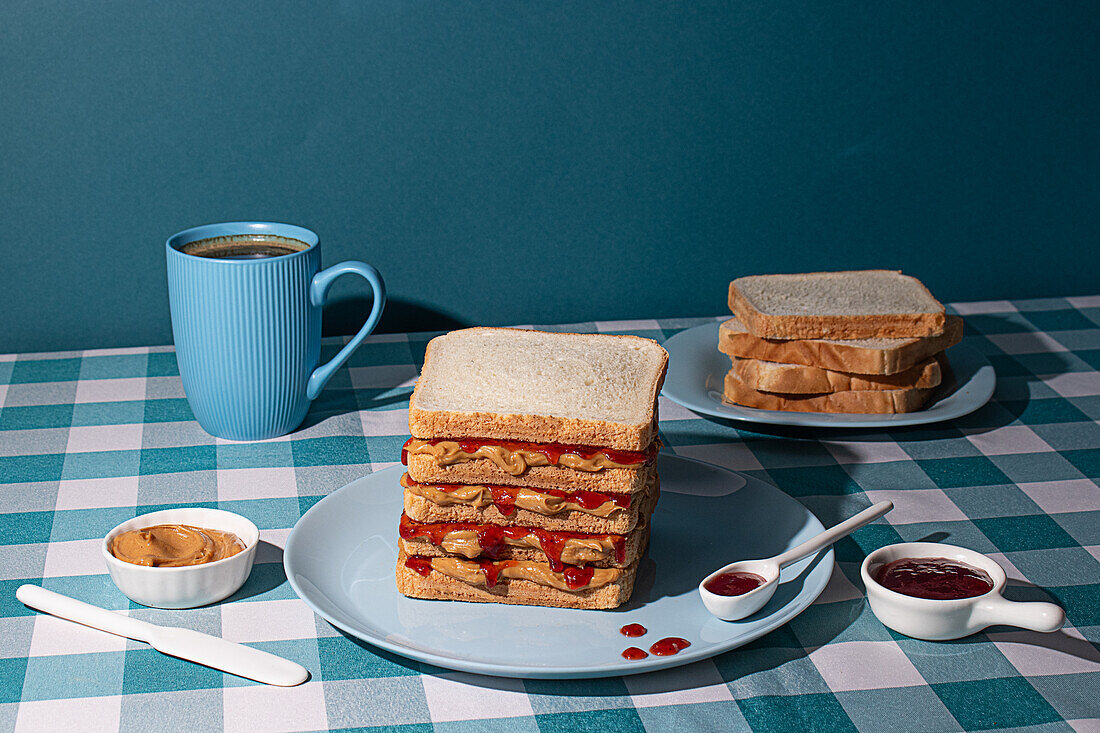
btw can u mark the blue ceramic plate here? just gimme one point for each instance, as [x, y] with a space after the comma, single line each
[696, 370]
[342, 554]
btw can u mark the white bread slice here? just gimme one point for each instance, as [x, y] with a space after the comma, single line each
[861, 356]
[438, 586]
[511, 384]
[837, 305]
[425, 469]
[869, 401]
[771, 376]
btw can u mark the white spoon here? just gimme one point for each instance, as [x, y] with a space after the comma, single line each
[732, 608]
[194, 646]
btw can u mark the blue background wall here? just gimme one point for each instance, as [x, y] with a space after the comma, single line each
[543, 162]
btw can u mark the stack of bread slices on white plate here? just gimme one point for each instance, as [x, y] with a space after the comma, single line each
[867, 341]
[532, 468]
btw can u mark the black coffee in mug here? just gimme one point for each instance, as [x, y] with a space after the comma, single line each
[244, 247]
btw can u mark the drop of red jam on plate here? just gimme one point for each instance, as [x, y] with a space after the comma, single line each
[733, 584]
[669, 646]
[634, 653]
[935, 578]
[633, 630]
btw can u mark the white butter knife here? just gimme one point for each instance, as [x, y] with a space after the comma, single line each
[194, 646]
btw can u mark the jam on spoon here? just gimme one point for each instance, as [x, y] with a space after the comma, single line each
[733, 584]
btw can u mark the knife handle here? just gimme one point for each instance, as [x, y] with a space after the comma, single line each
[61, 606]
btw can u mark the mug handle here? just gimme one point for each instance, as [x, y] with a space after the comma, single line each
[318, 291]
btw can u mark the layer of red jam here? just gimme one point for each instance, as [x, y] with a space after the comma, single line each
[633, 630]
[669, 646]
[575, 577]
[552, 451]
[493, 539]
[504, 497]
[935, 578]
[633, 653]
[733, 584]
[492, 570]
[421, 565]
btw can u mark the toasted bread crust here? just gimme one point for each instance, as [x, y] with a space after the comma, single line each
[427, 424]
[838, 355]
[849, 402]
[767, 376]
[437, 586]
[840, 326]
[425, 469]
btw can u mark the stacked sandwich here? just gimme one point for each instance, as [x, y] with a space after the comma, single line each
[869, 341]
[532, 468]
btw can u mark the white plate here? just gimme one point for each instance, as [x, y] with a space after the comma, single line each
[342, 554]
[696, 370]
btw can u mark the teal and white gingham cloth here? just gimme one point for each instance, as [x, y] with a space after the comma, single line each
[89, 439]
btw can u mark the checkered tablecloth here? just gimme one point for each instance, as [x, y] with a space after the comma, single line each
[89, 439]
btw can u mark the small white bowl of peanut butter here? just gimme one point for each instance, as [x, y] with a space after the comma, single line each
[181, 558]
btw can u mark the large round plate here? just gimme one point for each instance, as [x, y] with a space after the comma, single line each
[696, 370]
[341, 556]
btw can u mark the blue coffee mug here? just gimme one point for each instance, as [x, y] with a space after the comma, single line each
[247, 329]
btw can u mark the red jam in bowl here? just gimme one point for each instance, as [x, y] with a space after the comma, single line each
[935, 578]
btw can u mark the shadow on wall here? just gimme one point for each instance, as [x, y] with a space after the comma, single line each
[343, 317]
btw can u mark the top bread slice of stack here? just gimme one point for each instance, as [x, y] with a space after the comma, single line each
[836, 305]
[867, 341]
[580, 389]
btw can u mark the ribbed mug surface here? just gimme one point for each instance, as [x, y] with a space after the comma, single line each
[247, 337]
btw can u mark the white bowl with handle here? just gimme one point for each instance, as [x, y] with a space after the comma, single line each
[938, 620]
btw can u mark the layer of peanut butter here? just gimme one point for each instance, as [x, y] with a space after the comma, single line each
[471, 573]
[174, 545]
[514, 462]
[575, 551]
[480, 497]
